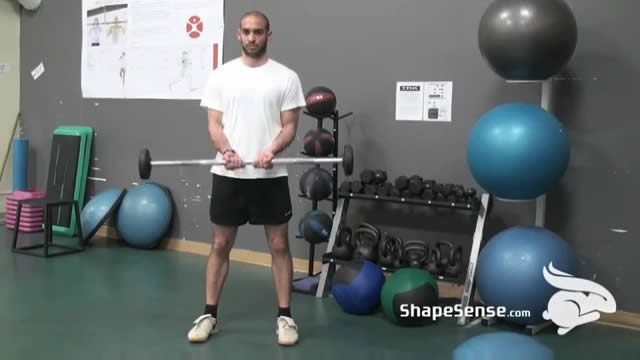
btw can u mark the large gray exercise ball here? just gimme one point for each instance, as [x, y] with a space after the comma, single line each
[527, 40]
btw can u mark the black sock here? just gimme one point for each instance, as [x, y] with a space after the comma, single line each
[284, 311]
[211, 309]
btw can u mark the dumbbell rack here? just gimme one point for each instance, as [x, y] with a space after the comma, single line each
[335, 116]
[482, 208]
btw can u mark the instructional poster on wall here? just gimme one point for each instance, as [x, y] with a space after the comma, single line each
[424, 101]
[150, 49]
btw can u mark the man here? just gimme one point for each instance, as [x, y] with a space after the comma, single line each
[253, 107]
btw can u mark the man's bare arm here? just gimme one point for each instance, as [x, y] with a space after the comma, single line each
[216, 131]
[287, 135]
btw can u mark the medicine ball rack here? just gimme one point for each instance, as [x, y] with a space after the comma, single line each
[482, 208]
[312, 278]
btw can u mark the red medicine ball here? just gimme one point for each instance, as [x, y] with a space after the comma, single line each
[321, 101]
[318, 142]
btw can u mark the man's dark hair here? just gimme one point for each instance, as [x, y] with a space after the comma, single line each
[257, 13]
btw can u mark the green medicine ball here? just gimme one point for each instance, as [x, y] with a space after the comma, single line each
[408, 296]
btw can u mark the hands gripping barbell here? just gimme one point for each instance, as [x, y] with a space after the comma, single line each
[145, 163]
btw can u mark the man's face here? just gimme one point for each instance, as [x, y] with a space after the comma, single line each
[253, 36]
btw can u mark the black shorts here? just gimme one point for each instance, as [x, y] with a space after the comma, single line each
[235, 202]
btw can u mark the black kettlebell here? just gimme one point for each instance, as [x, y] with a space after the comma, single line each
[454, 267]
[389, 250]
[401, 260]
[415, 252]
[434, 265]
[342, 248]
[366, 243]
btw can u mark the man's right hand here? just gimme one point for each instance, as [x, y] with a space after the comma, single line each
[232, 160]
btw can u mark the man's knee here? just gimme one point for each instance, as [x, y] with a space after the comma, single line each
[223, 239]
[280, 247]
[279, 241]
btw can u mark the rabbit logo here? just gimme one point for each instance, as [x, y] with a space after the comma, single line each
[578, 302]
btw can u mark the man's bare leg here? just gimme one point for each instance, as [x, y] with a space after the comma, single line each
[218, 264]
[281, 262]
[282, 269]
[217, 270]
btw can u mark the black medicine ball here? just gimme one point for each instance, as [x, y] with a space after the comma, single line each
[321, 101]
[318, 142]
[315, 183]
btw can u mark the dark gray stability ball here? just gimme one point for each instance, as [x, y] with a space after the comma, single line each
[527, 39]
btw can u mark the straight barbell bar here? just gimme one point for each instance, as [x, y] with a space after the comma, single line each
[145, 162]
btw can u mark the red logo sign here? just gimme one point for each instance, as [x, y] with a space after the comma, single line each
[194, 27]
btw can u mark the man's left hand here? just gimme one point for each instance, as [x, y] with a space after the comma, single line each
[265, 158]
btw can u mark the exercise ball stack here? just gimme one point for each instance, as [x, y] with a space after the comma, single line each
[519, 151]
[509, 271]
[144, 215]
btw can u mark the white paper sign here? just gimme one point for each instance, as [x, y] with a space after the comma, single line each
[5, 68]
[39, 70]
[437, 101]
[409, 100]
[424, 101]
[151, 49]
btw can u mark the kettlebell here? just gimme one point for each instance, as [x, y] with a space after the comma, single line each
[415, 252]
[388, 250]
[454, 268]
[450, 259]
[342, 248]
[366, 243]
[433, 263]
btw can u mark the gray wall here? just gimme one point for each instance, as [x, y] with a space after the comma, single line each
[360, 49]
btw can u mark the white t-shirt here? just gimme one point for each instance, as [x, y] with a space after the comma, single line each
[251, 99]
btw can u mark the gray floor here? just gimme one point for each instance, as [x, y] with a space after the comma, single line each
[121, 303]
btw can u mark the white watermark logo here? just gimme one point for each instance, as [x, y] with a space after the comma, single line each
[435, 312]
[571, 307]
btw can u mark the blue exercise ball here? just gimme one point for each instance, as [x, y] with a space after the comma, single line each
[502, 345]
[509, 271]
[518, 151]
[98, 209]
[144, 215]
[357, 287]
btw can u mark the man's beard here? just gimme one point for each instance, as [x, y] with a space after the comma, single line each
[257, 53]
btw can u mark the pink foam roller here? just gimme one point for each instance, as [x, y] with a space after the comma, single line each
[23, 195]
[25, 210]
[14, 203]
[25, 228]
[23, 220]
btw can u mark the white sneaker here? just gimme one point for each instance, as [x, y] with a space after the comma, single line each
[205, 325]
[287, 331]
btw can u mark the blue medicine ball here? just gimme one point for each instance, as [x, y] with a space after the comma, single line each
[518, 151]
[144, 215]
[357, 287]
[509, 271]
[502, 345]
[315, 226]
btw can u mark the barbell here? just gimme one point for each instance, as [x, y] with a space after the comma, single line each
[145, 162]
